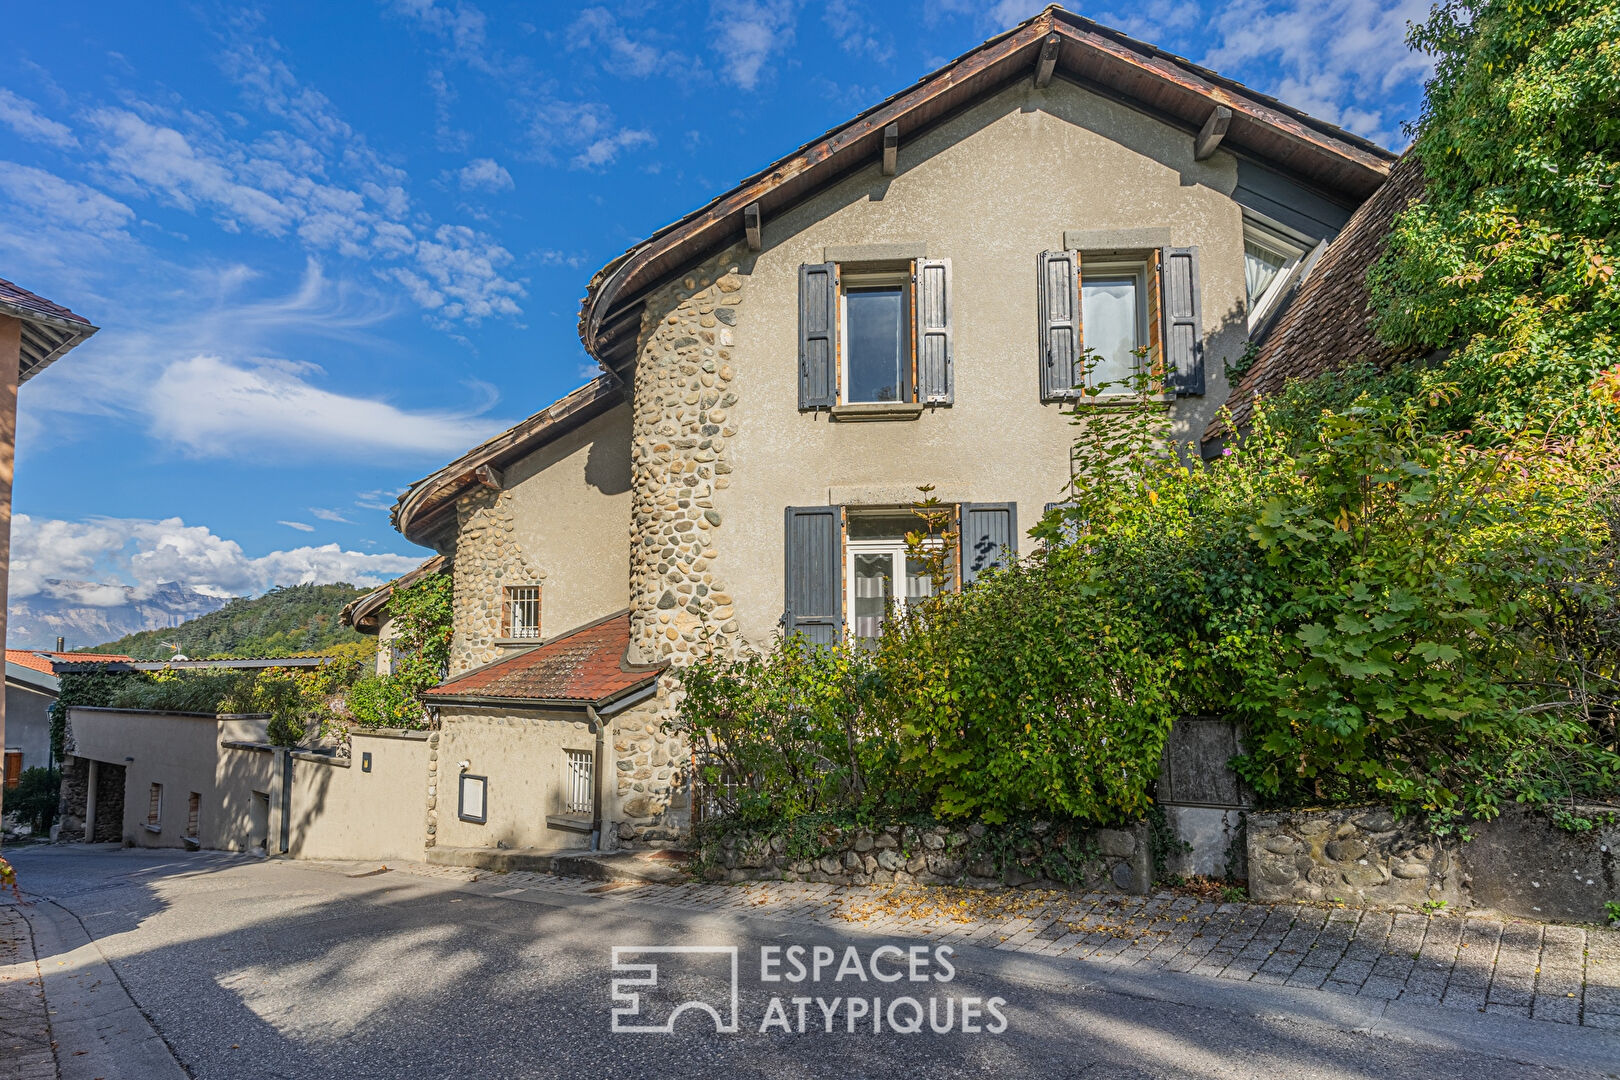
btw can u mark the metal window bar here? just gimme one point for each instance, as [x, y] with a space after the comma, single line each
[523, 611]
[191, 814]
[154, 808]
[581, 765]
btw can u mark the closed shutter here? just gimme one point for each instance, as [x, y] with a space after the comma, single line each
[1058, 298]
[814, 574]
[988, 530]
[818, 335]
[1182, 335]
[936, 371]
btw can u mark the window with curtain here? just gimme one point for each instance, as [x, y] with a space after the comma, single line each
[880, 573]
[1113, 310]
[1269, 257]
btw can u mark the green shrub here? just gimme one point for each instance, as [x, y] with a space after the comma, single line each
[35, 797]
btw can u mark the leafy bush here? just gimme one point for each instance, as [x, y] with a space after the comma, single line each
[1508, 262]
[34, 798]
[420, 616]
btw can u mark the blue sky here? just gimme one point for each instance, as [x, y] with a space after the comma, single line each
[331, 246]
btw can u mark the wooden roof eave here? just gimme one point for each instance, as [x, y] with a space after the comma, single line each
[1090, 54]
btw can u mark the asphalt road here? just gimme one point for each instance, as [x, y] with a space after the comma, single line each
[257, 969]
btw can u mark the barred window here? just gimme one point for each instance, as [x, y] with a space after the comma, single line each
[581, 765]
[520, 613]
[191, 814]
[154, 807]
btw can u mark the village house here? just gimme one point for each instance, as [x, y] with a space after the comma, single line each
[903, 301]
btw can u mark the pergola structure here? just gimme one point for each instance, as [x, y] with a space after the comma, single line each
[34, 333]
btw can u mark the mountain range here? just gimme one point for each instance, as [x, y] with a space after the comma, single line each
[85, 613]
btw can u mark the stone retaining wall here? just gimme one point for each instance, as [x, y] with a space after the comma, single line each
[1519, 864]
[1038, 856]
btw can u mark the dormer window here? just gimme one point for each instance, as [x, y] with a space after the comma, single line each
[1269, 258]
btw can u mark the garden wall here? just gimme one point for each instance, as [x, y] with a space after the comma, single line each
[1518, 864]
[1034, 855]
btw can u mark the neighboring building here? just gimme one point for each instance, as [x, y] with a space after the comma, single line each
[31, 690]
[903, 301]
[369, 614]
[34, 333]
[1326, 318]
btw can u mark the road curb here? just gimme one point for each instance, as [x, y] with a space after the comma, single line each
[98, 1030]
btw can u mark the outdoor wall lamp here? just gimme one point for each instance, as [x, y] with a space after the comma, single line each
[464, 765]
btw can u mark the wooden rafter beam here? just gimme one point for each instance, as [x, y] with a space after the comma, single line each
[751, 226]
[1048, 60]
[1213, 131]
[891, 149]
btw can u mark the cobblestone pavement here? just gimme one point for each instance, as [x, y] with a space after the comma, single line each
[1561, 974]
[25, 1036]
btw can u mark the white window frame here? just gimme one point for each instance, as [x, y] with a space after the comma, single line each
[895, 549]
[509, 605]
[858, 278]
[1279, 242]
[1139, 267]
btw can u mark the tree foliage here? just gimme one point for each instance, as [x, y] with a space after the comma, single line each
[1508, 262]
[420, 617]
[283, 622]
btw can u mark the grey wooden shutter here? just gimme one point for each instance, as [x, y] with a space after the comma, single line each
[818, 335]
[1182, 334]
[987, 529]
[814, 574]
[936, 372]
[1058, 298]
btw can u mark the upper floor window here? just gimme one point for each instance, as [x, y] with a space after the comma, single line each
[1132, 311]
[875, 334]
[1269, 258]
[520, 612]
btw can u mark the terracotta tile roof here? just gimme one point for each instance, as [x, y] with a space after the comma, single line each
[1328, 322]
[582, 667]
[362, 613]
[48, 330]
[42, 661]
[16, 296]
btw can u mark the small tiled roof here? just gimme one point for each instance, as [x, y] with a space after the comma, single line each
[43, 661]
[49, 329]
[582, 667]
[363, 613]
[1328, 323]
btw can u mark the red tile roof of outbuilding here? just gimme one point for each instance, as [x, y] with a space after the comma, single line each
[43, 661]
[582, 667]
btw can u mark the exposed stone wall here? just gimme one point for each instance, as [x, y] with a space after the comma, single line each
[1110, 860]
[1518, 864]
[487, 559]
[432, 825]
[679, 457]
[650, 801]
[109, 801]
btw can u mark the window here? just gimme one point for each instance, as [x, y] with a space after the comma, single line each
[154, 808]
[521, 612]
[876, 338]
[879, 572]
[581, 791]
[1269, 258]
[193, 805]
[1131, 310]
[1114, 315]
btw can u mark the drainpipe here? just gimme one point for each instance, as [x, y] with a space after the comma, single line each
[596, 777]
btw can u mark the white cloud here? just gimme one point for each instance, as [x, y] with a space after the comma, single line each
[145, 553]
[599, 29]
[210, 406]
[24, 117]
[746, 33]
[376, 500]
[605, 151]
[65, 203]
[854, 32]
[301, 526]
[484, 174]
[329, 515]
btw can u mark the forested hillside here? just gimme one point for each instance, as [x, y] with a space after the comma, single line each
[296, 618]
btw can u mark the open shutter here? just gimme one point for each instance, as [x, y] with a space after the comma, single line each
[818, 333]
[814, 574]
[936, 370]
[1182, 333]
[1058, 297]
[987, 530]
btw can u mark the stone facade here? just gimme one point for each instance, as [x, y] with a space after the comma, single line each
[651, 797]
[1517, 864]
[684, 416]
[487, 559]
[980, 856]
[109, 801]
[431, 828]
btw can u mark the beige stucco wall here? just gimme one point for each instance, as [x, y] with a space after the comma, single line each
[988, 190]
[340, 811]
[560, 522]
[182, 752]
[524, 758]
